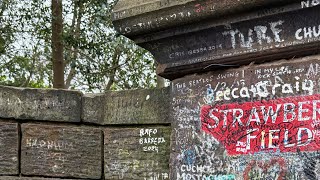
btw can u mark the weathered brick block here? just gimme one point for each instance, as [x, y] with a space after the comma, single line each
[137, 153]
[127, 107]
[61, 151]
[40, 104]
[92, 108]
[9, 148]
[28, 178]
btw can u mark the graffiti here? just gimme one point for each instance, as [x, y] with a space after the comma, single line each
[57, 145]
[309, 3]
[196, 51]
[137, 153]
[156, 176]
[148, 132]
[308, 32]
[250, 123]
[124, 152]
[189, 157]
[260, 33]
[313, 70]
[271, 83]
[152, 23]
[282, 123]
[57, 158]
[311, 165]
[207, 6]
[122, 168]
[263, 89]
[261, 36]
[186, 176]
[200, 160]
[149, 142]
[274, 72]
[271, 170]
[119, 168]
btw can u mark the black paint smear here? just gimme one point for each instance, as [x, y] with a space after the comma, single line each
[309, 168]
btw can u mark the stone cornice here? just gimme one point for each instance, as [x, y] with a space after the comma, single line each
[188, 37]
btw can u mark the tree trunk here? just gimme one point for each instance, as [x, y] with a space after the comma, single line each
[57, 44]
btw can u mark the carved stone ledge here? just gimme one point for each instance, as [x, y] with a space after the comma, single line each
[189, 36]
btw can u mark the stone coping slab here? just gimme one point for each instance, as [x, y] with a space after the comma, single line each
[40, 104]
[147, 106]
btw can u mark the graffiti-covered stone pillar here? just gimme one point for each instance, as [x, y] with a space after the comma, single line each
[245, 92]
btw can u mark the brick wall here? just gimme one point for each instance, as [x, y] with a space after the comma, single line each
[54, 134]
[252, 122]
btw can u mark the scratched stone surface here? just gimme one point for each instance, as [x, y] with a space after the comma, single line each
[29, 178]
[9, 148]
[138, 17]
[137, 153]
[253, 122]
[40, 104]
[208, 44]
[61, 151]
[92, 108]
[148, 106]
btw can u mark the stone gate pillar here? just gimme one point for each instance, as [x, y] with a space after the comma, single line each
[238, 110]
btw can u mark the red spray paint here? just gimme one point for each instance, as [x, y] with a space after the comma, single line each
[286, 125]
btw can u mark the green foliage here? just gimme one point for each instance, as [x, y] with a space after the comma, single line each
[6, 29]
[96, 58]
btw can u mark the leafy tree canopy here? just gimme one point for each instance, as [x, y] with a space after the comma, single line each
[95, 57]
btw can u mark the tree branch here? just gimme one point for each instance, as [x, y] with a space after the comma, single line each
[115, 63]
[27, 81]
[76, 35]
